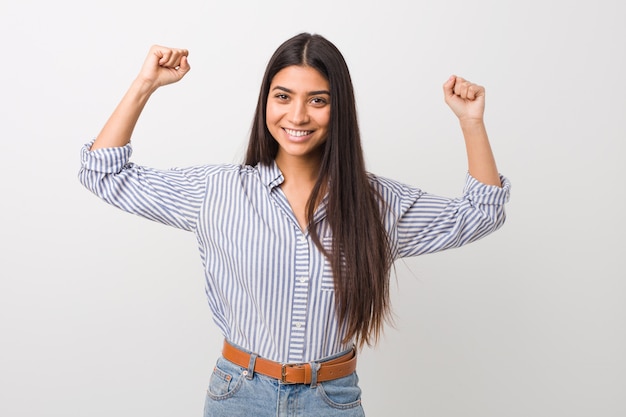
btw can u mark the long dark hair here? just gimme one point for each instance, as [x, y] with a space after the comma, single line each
[360, 255]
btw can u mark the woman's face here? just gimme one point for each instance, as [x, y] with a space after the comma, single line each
[298, 111]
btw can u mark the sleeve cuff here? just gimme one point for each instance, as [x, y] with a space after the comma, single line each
[105, 160]
[490, 194]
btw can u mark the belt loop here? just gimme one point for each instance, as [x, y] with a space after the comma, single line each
[314, 368]
[251, 365]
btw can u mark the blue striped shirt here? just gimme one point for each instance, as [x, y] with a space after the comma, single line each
[268, 286]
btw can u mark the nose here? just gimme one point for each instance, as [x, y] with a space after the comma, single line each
[298, 113]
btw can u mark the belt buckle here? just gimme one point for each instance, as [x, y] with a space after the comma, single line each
[283, 374]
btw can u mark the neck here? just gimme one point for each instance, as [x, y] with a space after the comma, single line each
[300, 176]
[297, 170]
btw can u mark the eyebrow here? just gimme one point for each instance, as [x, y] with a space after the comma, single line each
[311, 93]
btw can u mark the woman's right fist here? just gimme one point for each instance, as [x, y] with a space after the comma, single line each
[164, 66]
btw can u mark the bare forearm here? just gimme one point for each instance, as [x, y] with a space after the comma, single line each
[162, 66]
[119, 128]
[480, 159]
[467, 101]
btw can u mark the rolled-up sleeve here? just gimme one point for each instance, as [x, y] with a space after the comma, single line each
[420, 223]
[171, 197]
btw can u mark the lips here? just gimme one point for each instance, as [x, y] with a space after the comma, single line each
[297, 133]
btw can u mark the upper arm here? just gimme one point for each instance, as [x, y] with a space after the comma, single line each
[425, 223]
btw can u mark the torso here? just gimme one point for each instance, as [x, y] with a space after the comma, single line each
[298, 197]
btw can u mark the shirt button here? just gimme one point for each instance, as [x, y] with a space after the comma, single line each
[302, 279]
[298, 325]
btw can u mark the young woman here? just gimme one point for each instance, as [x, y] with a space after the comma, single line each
[297, 243]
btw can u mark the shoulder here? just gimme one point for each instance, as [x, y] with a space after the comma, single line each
[390, 189]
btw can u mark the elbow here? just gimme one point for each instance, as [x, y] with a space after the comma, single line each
[490, 221]
[500, 220]
[91, 180]
[82, 176]
[85, 177]
[496, 220]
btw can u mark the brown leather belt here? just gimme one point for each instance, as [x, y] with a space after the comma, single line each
[293, 373]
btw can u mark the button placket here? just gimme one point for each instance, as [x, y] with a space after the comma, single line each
[300, 299]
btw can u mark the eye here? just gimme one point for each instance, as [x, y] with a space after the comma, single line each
[319, 101]
[282, 96]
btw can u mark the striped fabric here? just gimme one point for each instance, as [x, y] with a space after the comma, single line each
[268, 286]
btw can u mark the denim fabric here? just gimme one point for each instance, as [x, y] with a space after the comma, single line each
[235, 391]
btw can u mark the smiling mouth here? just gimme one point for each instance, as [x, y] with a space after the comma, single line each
[297, 133]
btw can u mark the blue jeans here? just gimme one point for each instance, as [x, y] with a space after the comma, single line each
[235, 391]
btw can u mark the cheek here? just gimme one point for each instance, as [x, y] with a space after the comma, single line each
[272, 121]
[269, 113]
[272, 114]
[324, 119]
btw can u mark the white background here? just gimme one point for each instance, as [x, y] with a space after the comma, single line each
[103, 313]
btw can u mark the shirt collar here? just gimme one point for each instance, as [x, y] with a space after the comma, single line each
[270, 174]
[273, 177]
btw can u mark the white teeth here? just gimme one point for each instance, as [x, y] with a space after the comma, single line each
[297, 133]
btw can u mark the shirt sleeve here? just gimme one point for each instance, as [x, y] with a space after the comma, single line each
[421, 223]
[172, 197]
